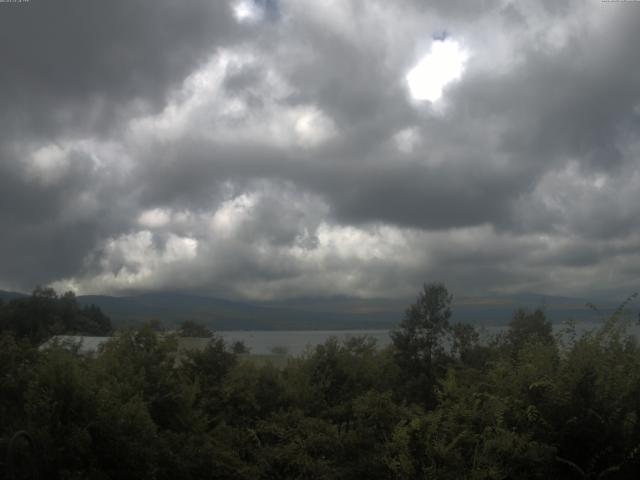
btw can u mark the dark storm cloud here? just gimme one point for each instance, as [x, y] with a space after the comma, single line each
[407, 194]
[566, 105]
[49, 227]
[76, 62]
[419, 197]
[71, 69]
[279, 153]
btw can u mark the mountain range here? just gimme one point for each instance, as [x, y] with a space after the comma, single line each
[333, 313]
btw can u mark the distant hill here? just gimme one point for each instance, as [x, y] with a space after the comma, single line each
[495, 310]
[173, 308]
[7, 296]
[332, 313]
[498, 310]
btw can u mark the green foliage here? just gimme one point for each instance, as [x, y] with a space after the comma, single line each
[45, 313]
[528, 327]
[418, 343]
[189, 328]
[466, 346]
[239, 347]
[81, 423]
[436, 404]
[17, 360]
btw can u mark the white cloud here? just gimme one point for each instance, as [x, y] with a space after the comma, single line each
[313, 127]
[134, 261]
[154, 218]
[231, 214]
[203, 107]
[49, 164]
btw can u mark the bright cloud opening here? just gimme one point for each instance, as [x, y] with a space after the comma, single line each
[442, 65]
[313, 127]
[246, 11]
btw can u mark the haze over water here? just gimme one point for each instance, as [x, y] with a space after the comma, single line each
[296, 342]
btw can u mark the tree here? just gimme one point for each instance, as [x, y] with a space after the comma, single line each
[418, 341]
[45, 313]
[466, 345]
[209, 368]
[189, 328]
[527, 327]
[239, 347]
[94, 322]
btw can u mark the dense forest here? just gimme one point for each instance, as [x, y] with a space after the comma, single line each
[438, 403]
[44, 313]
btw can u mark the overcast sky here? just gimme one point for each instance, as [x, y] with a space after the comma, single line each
[280, 148]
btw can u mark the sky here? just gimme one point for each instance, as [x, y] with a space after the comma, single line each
[271, 149]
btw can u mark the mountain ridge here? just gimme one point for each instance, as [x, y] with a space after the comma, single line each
[328, 313]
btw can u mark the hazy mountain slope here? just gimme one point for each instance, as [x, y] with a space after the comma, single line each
[172, 308]
[485, 310]
[324, 313]
[7, 296]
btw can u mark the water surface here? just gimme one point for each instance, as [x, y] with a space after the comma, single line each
[296, 342]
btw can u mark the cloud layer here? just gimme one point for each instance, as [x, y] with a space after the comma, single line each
[270, 149]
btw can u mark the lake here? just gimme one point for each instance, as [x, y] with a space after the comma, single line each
[296, 342]
[262, 342]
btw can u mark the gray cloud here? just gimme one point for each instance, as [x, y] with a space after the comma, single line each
[73, 69]
[77, 63]
[168, 146]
